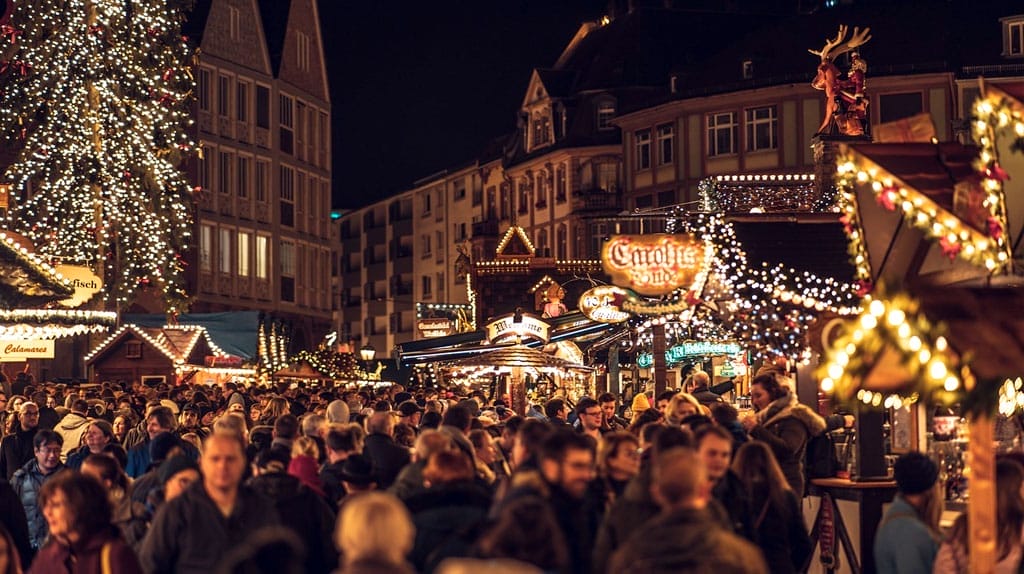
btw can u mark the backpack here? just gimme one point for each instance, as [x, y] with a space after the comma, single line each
[820, 460]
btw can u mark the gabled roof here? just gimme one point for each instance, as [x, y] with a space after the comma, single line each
[25, 279]
[515, 234]
[195, 21]
[931, 169]
[176, 342]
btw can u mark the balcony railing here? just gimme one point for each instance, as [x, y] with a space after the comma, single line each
[597, 199]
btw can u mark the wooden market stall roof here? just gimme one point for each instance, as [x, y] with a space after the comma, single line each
[931, 169]
[182, 344]
[302, 370]
[25, 279]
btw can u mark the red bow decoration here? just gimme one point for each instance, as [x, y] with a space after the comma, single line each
[17, 65]
[863, 287]
[950, 248]
[847, 224]
[997, 173]
[96, 30]
[167, 100]
[8, 30]
[887, 198]
[691, 299]
[995, 229]
[168, 74]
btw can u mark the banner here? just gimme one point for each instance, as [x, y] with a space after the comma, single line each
[12, 351]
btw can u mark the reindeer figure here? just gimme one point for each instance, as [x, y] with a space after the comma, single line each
[847, 110]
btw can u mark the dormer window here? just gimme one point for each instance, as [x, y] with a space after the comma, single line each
[605, 115]
[1013, 36]
[540, 128]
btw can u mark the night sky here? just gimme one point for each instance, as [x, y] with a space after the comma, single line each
[417, 87]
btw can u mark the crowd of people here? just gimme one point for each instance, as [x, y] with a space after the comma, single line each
[119, 477]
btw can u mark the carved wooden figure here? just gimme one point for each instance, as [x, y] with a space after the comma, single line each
[845, 102]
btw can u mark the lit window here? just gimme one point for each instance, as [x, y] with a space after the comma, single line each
[244, 253]
[224, 251]
[262, 257]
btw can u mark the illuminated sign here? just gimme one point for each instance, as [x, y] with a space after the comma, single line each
[653, 264]
[507, 328]
[604, 304]
[680, 353]
[16, 351]
[434, 327]
[83, 281]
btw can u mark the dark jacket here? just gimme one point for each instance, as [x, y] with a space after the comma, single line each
[189, 534]
[48, 417]
[686, 540]
[330, 479]
[786, 429]
[12, 517]
[27, 482]
[736, 505]
[136, 436]
[87, 556]
[77, 457]
[705, 397]
[132, 518]
[409, 481]
[15, 451]
[387, 458]
[631, 510]
[782, 534]
[448, 519]
[305, 513]
[138, 459]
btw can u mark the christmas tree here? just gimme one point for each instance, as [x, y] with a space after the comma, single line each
[95, 95]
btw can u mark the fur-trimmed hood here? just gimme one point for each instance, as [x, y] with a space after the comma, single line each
[789, 407]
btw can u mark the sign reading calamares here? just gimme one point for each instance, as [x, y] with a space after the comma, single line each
[604, 304]
[16, 351]
[654, 264]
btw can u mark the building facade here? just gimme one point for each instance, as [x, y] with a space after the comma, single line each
[264, 239]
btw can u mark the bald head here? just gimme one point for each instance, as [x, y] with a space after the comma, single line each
[679, 480]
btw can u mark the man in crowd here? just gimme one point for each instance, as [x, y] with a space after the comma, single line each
[409, 413]
[30, 478]
[286, 430]
[684, 537]
[612, 421]
[589, 416]
[339, 444]
[191, 533]
[16, 449]
[160, 420]
[730, 501]
[387, 457]
[557, 412]
[73, 425]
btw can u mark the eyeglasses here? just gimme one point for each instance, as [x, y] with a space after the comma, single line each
[592, 413]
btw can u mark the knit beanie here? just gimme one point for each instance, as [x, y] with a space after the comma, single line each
[161, 445]
[174, 465]
[915, 473]
[640, 403]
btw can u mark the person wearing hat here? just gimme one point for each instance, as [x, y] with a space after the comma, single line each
[357, 477]
[908, 538]
[409, 413]
[163, 446]
[176, 474]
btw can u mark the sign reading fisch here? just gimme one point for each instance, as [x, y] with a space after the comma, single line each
[12, 351]
[506, 328]
[83, 281]
[654, 264]
[604, 304]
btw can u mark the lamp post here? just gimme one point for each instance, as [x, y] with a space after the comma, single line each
[367, 353]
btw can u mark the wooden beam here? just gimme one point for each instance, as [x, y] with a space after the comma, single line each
[982, 506]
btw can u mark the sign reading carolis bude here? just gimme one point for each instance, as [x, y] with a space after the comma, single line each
[506, 328]
[654, 264]
[604, 304]
[434, 327]
[83, 281]
[17, 351]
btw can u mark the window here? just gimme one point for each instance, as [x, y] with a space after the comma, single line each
[426, 203]
[1014, 38]
[205, 167]
[203, 86]
[762, 128]
[562, 242]
[235, 20]
[524, 197]
[542, 243]
[287, 271]
[242, 177]
[666, 198]
[541, 128]
[287, 196]
[478, 194]
[666, 139]
[133, 350]
[492, 204]
[506, 201]
[206, 247]
[892, 107]
[644, 201]
[598, 233]
[459, 231]
[561, 185]
[224, 168]
[242, 101]
[643, 149]
[263, 107]
[747, 69]
[459, 189]
[427, 285]
[439, 241]
[224, 251]
[244, 252]
[440, 283]
[608, 176]
[605, 115]
[262, 257]
[224, 96]
[262, 179]
[425, 245]
[721, 134]
[302, 51]
[286, 121]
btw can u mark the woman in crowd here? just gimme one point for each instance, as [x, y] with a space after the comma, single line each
[681, 406]
[82, 536]
[488, 459]
[778, 518]
[123, 422]
[618, 461]
[131, 517]
[303, 465]
[375, 534]
[953, 556]
[276, 407]
[97, 436]
[784, 424]
[527, 531]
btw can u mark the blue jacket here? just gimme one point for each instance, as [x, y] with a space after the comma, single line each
[27, 482]
[903, 543]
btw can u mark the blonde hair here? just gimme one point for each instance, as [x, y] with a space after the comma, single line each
[678, 399]
[305, 445]
[375, 526]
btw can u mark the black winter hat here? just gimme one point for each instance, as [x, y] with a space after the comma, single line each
[174, 465]
[915, 473]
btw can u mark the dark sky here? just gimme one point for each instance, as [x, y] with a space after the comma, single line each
[417, 87]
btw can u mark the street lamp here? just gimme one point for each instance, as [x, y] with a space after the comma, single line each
[367, 352]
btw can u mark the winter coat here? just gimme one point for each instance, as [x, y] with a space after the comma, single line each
[447, 519]
[305, 513]
[330, 479]
[138, 459]
[12, 517]
[387, 457]
[190, 534]
[903, 543]
[634, 508]
[27, 482]
[736, 507]
[787, 426]
[686, 540]
[136, 436]
[71, 428]
[86, 557]
[782, 534]
[77, 457]
[15, 450]
[132, 518]
[410, 481]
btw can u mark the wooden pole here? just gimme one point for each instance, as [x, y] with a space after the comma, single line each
[981, 509]
[659, 368]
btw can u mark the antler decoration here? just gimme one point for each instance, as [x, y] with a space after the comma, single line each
[835, 47]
